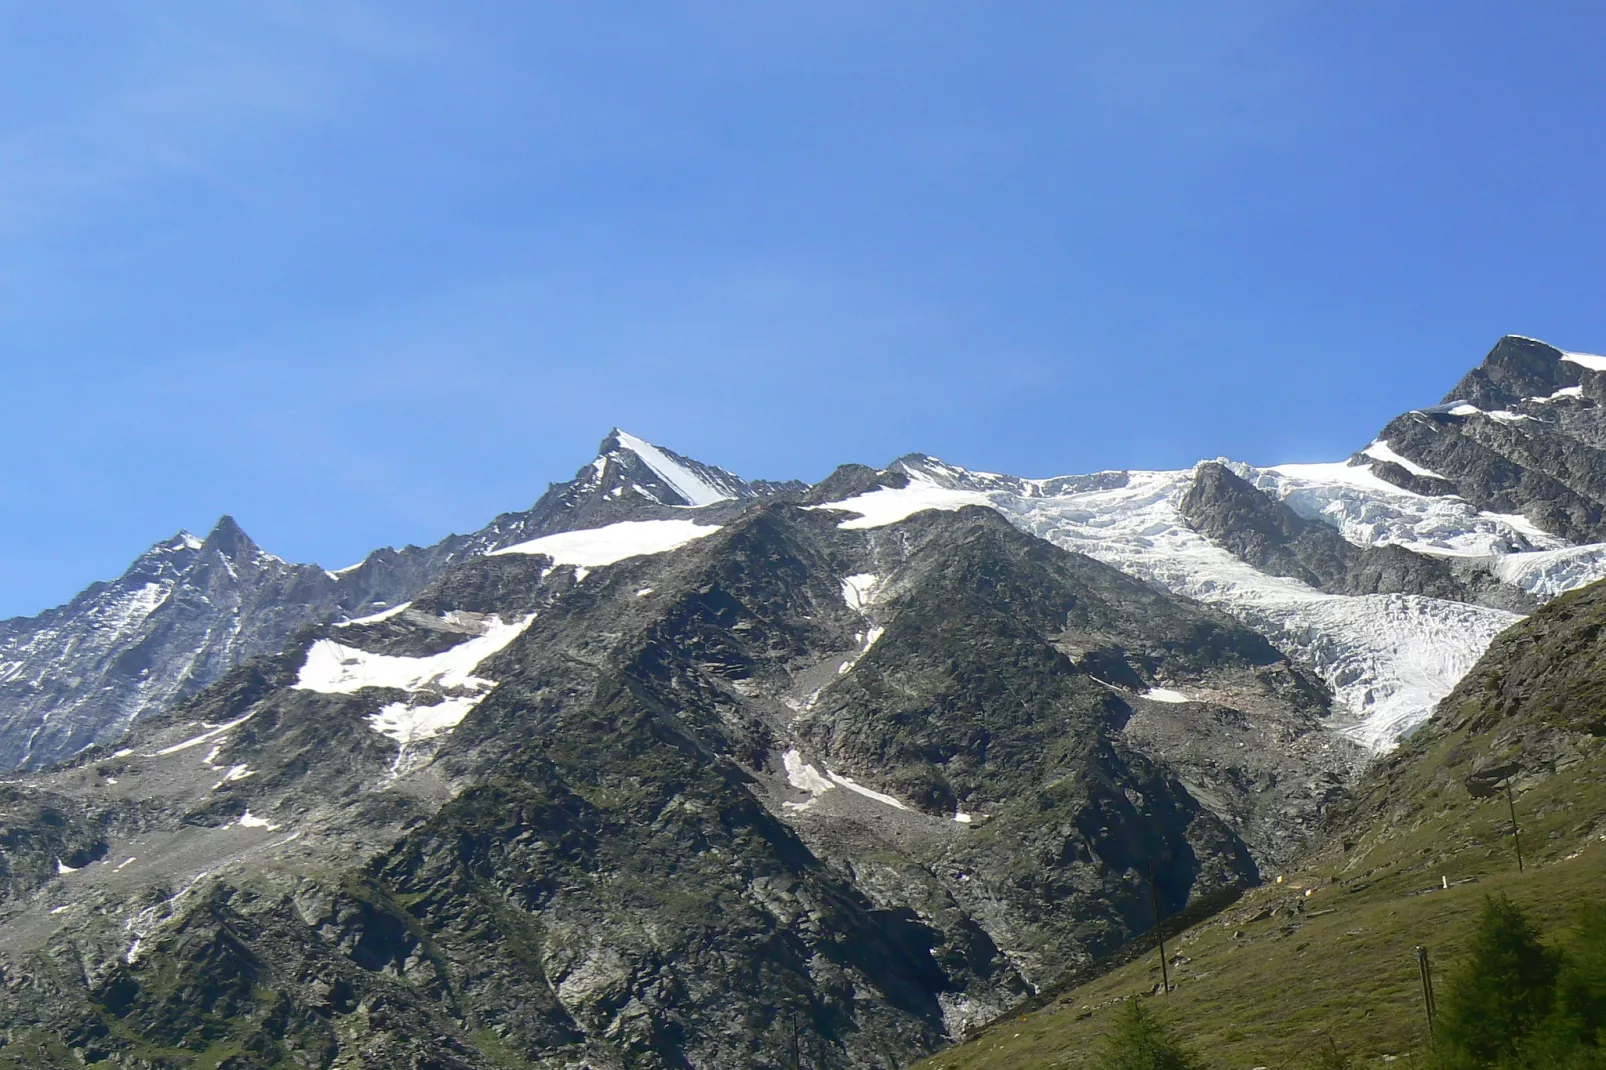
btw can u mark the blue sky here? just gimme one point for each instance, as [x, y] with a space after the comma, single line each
[366, 273]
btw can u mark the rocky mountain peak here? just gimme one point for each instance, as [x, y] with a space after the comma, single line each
[230, 540]
[1516, 368]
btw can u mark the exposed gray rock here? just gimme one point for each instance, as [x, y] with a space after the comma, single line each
[190, 609]
[706, 811]
[1535, 444]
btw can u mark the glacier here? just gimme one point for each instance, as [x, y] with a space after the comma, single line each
[1389, 658]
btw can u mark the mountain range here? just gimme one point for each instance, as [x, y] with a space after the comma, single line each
[677, 769]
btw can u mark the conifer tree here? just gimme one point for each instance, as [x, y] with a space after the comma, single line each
[1501, 992]
[1140, 1041]
[1579, 1017]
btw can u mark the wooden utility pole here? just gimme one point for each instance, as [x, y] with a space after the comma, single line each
[1159, 933]
[1515, 838]
[1486, 784]
[1426, 970]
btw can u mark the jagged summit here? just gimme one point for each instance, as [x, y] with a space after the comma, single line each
[662, 475]
[1516, 368]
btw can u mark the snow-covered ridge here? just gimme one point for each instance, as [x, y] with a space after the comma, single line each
[1592, 361]
[693, 487]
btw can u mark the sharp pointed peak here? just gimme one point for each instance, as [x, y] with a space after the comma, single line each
[229, 538]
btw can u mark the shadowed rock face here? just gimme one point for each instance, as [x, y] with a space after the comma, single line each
[707, 804]
[1515, 369]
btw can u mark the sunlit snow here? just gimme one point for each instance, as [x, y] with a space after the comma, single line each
[596, 547]
[413, 724]
[1591, 361]
[802, 776]
[888, 505]
[335, 668]
[858, 590]
[848, 782]
[375, 618]
[688, 484]
[1380, 451]
[1162, 694]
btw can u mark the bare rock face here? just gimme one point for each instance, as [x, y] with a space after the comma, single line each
[1524, 433]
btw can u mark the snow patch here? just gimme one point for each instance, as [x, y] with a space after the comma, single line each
[334, 668]
[802, 776]
[1380, 451]
[596, 547]
[408, 725]
[62, 868]
[204, 737]
[1593, 362]
[375, 618]
[248, 821]
[238, 772]
[848, 782]
[858, 590]
[888, 505]
[1162, 694]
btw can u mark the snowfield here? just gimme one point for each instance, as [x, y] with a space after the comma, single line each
[596, 547]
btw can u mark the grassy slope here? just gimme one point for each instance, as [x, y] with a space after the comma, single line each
[1266, 982]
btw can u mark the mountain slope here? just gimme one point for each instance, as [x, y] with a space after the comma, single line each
[655, 811]
[679, 770]
[189, 609]
[1407, 861]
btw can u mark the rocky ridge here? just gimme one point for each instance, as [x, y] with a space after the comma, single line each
[189, 608]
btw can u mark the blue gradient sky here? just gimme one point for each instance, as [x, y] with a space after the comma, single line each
[366, 273]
